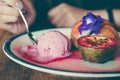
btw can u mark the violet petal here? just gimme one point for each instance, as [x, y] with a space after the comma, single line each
[90, 21]
[96, 27]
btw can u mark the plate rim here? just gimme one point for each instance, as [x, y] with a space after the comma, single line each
[7, 51]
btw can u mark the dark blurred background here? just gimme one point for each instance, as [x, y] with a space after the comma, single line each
[43, 6]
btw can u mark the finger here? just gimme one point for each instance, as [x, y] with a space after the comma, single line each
[55, 19]
[55, 10]
[58, 17]
[5, 27]
[66, 21]
[17, 27]
[5, 10]
[6, 19]
[61, 22]
[11, 2]
[13, 27]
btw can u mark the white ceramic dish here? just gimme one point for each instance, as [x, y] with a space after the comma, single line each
[67, 67]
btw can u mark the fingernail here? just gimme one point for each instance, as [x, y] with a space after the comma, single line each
[19, 4]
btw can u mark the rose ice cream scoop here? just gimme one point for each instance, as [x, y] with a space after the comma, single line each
[51, 45]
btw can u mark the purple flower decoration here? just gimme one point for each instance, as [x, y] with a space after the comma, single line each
[92, 22]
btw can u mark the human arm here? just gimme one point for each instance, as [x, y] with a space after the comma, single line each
[65, 15]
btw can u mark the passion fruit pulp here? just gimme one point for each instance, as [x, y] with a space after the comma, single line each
[97, 49]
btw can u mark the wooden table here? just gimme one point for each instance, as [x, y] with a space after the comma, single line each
[10, 70]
